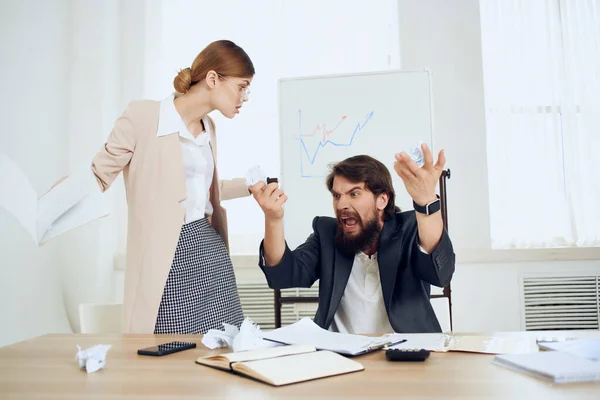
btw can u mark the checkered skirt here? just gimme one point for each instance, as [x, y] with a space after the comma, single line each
[200, 292]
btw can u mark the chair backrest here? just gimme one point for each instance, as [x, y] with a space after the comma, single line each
[280, 300]
[100, 318]
[447, 292]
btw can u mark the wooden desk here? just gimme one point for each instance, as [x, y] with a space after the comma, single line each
[45, 367]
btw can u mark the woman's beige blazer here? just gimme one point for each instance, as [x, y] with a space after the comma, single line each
[155, 185]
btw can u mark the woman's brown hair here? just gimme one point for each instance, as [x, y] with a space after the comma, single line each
[223, 56]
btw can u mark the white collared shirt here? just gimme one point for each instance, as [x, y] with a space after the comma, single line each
[198, 161]
[361, 309]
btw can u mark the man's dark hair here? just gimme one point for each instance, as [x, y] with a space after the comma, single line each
[373, 173]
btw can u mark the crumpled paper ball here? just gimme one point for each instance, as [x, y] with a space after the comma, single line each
[248, 337]
[93, 358]
[417, 156]
[255, 175]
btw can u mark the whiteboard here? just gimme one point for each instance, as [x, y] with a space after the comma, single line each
[325, 119]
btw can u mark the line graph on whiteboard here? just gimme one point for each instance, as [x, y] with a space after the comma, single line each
[323, 143]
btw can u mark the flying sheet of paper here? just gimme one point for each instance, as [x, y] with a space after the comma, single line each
[72, 203]
[92, 207]
[64, 197]
[17, 195]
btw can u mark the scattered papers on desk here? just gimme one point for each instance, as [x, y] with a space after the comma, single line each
[586, 348]
[554, 366]
[74, 202]
[248, 337]
[93, 358]
[426, 341]
[255, 175]
[307, 332]
[441, 342]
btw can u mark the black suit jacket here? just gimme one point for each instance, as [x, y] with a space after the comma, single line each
[406, 272]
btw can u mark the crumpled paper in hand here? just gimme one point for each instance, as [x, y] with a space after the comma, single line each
[255, 175]
[93, 358]
[248, 337]
[417, 156]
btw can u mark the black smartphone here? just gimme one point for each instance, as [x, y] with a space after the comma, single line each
[166, 348]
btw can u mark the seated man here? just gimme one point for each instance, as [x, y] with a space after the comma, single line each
[375, 263]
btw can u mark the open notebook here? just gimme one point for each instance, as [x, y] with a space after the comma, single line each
[442, 342]
[554, 366]
[283, 365]
[307, 332]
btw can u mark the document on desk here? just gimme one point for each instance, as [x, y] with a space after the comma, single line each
[307, 332]
[442, 342]
[74, 202]
[554, 366]
[586, 348]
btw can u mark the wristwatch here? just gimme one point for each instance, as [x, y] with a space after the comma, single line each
[429, 208]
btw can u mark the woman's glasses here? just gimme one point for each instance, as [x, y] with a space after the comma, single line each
[244, 91]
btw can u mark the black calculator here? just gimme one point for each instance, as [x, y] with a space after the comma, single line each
[406, 354]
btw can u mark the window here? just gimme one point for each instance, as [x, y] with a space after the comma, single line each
[541, 62]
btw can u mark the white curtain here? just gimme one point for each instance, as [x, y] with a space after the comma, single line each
[541, 61]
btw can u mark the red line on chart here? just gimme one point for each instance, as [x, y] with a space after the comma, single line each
[325, 132]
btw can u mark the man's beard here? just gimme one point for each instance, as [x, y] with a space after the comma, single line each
[367, 237]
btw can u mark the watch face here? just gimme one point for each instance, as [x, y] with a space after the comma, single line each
[433, 207]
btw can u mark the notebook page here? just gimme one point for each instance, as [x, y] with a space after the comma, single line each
[298, 368]
[260, 354]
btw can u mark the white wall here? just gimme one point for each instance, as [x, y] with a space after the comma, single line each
[487, 296]
[34, 68]
[444, 36]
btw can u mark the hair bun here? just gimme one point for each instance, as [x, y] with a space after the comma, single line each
[183, 80]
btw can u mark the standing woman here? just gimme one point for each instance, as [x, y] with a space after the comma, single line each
[179, 277]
